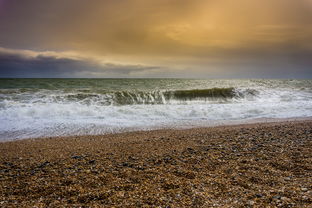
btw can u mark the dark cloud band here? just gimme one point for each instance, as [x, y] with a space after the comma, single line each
[23, 65]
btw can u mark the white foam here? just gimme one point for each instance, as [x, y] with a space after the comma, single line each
[47, 113]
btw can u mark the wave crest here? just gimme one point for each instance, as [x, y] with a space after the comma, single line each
[161, 97]
[201, 93]
[104, 97]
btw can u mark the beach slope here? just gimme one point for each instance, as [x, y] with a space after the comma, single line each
[259, 165]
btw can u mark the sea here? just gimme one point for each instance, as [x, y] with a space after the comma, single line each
[32, 108]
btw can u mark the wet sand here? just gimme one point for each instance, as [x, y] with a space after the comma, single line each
[253, 165]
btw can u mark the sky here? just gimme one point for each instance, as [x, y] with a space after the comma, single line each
[156, 38]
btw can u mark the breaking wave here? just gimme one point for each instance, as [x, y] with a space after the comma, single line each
[36, 108]
[128, 97]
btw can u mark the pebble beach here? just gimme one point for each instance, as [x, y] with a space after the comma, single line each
[250, 165]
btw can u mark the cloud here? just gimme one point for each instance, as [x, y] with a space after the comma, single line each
[163, 27]
[27, 63]
[163, 38]
[71, 64]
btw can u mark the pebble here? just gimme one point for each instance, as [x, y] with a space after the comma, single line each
[124, 170]
[284, 198]
[251, 203]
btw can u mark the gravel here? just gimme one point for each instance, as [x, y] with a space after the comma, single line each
[255, 165]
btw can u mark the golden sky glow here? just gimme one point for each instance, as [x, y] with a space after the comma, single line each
[213, 38]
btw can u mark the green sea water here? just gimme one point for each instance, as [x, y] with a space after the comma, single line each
[51, 107]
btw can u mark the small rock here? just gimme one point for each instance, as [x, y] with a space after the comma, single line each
[251, 203]
[259, 195]
[140, 167]
[190, 150]
[277, 197]
[284, 198]
[91, 161]
[8, 164]
[304, 189]
[42, 165]
[126, 164]
[305, 197]
[76, 157]
[168, 186]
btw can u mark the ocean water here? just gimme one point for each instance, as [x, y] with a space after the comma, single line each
[57, 107]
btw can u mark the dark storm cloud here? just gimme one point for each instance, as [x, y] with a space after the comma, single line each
[18, 66]
[26, 64]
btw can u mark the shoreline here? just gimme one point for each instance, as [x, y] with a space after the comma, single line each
[259, 164]
[211, 124]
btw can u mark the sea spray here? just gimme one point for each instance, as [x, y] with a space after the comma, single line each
[50, 107]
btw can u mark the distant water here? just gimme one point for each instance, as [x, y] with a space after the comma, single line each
[55, 107]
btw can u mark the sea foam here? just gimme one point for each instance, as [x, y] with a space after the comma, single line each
[39, 112]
